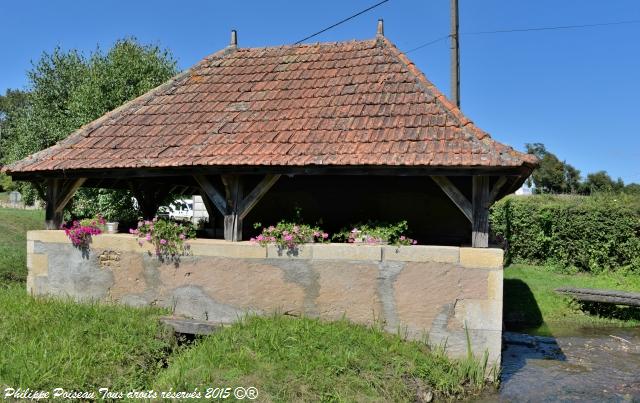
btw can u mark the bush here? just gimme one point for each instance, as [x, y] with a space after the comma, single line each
[595, 233]
[288, 235]
[374, 233]
[168, 237]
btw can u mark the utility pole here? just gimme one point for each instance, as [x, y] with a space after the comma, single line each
[455, 55]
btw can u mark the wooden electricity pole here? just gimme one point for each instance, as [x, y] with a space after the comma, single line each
[455, 55]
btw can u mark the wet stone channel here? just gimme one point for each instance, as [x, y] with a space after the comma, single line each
[576, 365]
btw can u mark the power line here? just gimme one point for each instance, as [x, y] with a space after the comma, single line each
[502, 31]
[341, 22]
[424, 45]
[553, 28]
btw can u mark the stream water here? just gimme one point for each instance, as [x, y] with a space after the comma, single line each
[577, 365]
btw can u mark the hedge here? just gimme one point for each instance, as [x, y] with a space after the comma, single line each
[591, 233]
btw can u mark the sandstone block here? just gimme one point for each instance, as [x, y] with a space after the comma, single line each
[338, 251]
[39, 265]
[304, 251]
[422, 291]
[215, 247]
[422, 253]
[474, 284]
[487, 258]
[495, 284]
[51, 236]
[349, 290]
[479, 314]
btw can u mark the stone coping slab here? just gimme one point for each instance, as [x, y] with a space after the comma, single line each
[485, 258]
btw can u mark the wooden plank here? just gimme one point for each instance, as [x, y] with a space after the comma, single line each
[356, 170]
[455, 195]
[256, 194]
[67, 193]
[496, 189]
[480, 223]
[216, 197]
[604, 296]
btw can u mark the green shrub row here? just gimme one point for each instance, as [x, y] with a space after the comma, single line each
[590, 233]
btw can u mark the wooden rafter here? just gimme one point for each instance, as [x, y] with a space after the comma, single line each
[59, 193]
[496, 189]
[67, 192]
[249, 202]
[455, 195]
[214, 195]
[233, 205]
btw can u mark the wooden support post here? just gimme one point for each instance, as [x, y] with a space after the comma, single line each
[53, 219]
[232, 220]
[480, 200]
[59, 193]
[233, 206]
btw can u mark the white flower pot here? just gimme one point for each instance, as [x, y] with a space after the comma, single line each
[112, 227]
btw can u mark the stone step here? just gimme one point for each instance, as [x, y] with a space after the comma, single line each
[192, 326]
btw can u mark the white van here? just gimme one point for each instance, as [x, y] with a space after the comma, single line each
[179, 210]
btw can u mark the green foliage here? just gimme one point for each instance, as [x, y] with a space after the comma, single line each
[594, 233]
[49, 343]
[14, 224]
[288, 235]
[553, 175]
[6, 184]
[113, 205]
[291, 359]
[10, 103]
[375, 232]
[600, 181]
[632, 189]
[68, 90]
[531, 303]
[168, 237]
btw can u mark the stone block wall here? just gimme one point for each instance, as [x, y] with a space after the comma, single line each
[429, 292]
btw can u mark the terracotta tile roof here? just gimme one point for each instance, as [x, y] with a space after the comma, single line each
[350, 103]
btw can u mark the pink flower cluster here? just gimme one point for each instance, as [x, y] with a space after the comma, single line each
[80, 232]
[355, 236]
[167, 237]
[405, 240]
[289, 235]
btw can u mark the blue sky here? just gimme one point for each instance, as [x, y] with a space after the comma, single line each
[576, 91]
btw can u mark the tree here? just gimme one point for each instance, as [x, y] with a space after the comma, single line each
[552, 175]
[632, 189]
[68, 90]
[10, 105]
[601, 182]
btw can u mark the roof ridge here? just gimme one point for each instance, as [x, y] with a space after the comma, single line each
[311, 44]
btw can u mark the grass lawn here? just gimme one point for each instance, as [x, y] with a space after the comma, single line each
[530, 301]
[309, 360]
[14, 223]
[47, 343]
